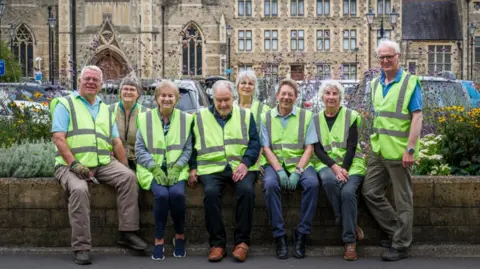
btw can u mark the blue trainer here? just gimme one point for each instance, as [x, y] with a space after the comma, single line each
[158, 251]
[179, 251]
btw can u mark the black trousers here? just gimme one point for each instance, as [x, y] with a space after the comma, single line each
[245, 193]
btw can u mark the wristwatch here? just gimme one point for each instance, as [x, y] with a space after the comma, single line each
[411, 151]
[300, 169]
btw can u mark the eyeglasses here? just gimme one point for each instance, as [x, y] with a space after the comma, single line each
[386, 57]
[95, 80]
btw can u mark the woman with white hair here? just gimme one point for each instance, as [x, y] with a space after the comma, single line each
[341, 166]
[125, 112]
[248, 98]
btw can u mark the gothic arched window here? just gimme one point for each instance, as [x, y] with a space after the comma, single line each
[23, 49]
[191, 51]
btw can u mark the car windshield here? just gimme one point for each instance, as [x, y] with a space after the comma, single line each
[187, 101]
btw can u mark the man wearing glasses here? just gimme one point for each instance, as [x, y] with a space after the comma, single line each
[397, 102]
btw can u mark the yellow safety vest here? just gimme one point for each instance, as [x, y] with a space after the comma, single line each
[258, 110]
[216, 146]
[334, 141]
[89, 140]
[391, 125]
[160, 146]
[288, 144]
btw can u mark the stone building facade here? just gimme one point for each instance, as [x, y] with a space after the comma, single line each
[302, 39]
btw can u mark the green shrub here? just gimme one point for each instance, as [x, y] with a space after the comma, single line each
[430, 161]
[28, 160]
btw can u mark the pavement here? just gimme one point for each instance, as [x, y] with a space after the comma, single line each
[115, 261]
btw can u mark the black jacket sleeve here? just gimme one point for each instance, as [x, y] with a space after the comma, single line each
[251, 155]
[193, 158]
[352, 142]
[322, 154]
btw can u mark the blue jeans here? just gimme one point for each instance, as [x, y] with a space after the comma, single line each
[271, 191]
[166, 198]
[343, 198]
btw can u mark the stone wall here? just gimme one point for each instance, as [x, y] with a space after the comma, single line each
[33, 212]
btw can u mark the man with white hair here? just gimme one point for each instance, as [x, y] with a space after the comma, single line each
[226, 150]
[85, 135]
[397, 102]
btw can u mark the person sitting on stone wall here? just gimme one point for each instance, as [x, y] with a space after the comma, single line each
[163, 148]
[287, 139]
[125, 112]
[85, 135]
[226, 150]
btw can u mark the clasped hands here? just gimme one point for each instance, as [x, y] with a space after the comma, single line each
[286, 182]
[161, 178]
[340, 173]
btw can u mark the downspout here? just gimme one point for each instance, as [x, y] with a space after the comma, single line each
[467, 43]
[163, 41]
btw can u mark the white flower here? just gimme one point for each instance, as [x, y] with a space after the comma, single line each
[434, 172]
[429, 136]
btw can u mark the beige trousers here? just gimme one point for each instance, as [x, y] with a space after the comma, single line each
[398, 224]
[114, 174]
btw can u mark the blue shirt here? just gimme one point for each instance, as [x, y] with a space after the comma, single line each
[310, 139]
[252, 153]
[416, 102]
[61, 115]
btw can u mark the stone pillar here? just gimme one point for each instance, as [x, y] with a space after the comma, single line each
[146, 38]
[64, 41]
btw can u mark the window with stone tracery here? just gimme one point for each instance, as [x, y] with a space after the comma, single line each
[23, 48]
[192, 51]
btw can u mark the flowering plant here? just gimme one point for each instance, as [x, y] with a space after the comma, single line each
[430, 161]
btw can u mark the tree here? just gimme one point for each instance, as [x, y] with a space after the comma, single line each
[13, 71]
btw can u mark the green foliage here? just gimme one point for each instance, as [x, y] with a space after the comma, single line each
[461, 132]
[28, 160]
[27, 124]
[430, 161]
[13, 71]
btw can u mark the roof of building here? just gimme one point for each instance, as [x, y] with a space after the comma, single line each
[430, 20]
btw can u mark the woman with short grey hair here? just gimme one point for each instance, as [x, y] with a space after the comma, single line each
[126, 111]
[340, 164]
[248, 98]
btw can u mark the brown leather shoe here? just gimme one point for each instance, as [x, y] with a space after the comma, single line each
[359, 233]
[350, 252]
[240, 252]
[216, 254]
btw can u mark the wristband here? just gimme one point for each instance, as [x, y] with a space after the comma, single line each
[300, 169]
[74, 163]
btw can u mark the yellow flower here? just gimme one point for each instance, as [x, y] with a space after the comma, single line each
[441, 119]
[37, 94]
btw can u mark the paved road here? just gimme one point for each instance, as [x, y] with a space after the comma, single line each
[105, 261]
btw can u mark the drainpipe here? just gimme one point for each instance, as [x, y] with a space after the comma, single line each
[460, 50]
[467, 35]
[163, 41]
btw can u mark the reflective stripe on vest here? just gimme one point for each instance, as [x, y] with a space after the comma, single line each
[289, 153]
[338, 149]
[160, 146]
[391, 126]
[100, 153]
[215, 154]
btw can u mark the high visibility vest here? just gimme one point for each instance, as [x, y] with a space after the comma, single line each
[216, 146]
[288, 144]
[160, 146]
[334, 141]
[258, 110]
[391, 125]
[89, 140]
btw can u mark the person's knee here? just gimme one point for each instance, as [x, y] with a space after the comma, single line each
[177, 195]
[348, 195]
[211, 191]
[79, 192]
[271, 184]
[245, 190]
[310, 183]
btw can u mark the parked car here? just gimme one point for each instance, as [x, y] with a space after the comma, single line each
[32, 92]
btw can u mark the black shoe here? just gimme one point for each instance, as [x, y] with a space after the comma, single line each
[386, 243]
[82, 257]
[282, 248]
[338, 221]
[130, 239]
[393, 254]
[299, 244]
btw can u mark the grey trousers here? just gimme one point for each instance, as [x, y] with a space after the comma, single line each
[380, 174]
[114, 174]
[343, 198]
